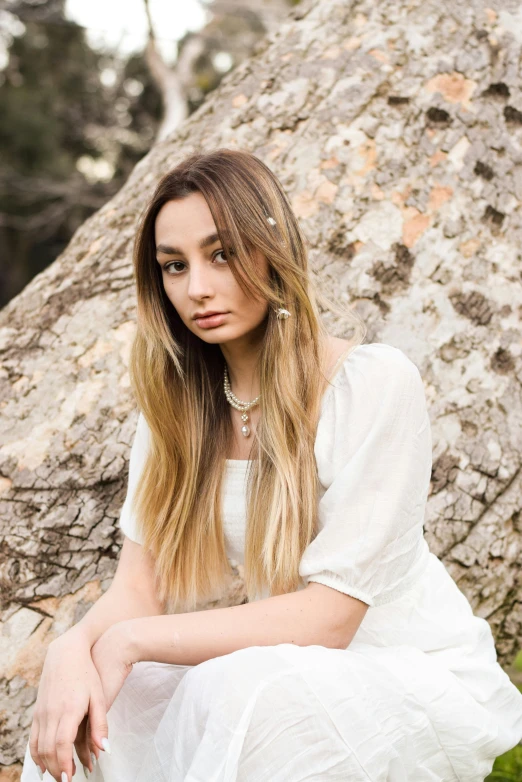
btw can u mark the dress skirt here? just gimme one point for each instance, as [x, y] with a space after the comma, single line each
[289, 713]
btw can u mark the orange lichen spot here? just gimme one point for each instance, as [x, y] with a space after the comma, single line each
[438, 196]
[239, 100]
[368, 152]
[376, 192]
[437, 158]
[469, 248]
[352, 43]
[414, 227]
[399, 198]
[5, 484]
[326, 192]
[287, 56]
[491, 15]
[379, 55]
[332, 162]
[304, 204]
[98, 350]
[453, 87]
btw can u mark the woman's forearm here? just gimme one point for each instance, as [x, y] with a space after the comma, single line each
[115, 605]
[304, 618]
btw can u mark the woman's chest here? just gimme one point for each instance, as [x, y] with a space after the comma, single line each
[234, 510]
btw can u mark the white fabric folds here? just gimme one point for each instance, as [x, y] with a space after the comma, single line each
[374, 456]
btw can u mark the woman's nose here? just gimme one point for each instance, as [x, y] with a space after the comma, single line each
[199, 282]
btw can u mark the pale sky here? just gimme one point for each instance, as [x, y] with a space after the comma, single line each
[123, 25]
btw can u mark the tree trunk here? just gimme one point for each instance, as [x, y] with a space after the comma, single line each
[396, 130]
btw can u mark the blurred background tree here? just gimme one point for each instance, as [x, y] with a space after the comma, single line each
[75, 120]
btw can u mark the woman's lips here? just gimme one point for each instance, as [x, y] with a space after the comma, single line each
[211, 320]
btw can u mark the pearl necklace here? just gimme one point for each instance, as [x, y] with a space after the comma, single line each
[239, 405]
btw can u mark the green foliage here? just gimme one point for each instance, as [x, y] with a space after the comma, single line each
[56, 110]
[508, 767]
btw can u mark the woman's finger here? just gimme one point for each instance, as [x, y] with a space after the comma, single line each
[94, 750]
[47, 744]
[82, 745]
[65, 735]
[98, 728]
[33, 745]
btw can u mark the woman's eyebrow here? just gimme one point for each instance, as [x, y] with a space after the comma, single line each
[168, 250]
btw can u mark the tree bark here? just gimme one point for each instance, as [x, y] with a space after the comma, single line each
[395, 128]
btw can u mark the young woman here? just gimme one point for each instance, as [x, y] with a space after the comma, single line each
[304, 460]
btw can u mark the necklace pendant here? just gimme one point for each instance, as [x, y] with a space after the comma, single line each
[245, 430]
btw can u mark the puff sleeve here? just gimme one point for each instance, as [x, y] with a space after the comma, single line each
[374, 456]
[138, 454]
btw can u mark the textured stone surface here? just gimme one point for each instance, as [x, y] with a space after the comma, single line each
[396, 130]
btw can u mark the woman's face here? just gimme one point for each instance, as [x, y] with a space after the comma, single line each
[196, 275]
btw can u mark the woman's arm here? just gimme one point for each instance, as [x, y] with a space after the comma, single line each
[70, 691]
[131, 594]
[315, 615]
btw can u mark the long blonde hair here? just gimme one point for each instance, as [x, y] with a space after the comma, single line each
[177, 380]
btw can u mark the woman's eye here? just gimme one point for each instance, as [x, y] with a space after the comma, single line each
[174, 263]
[180, 263]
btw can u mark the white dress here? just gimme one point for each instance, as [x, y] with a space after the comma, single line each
[418, 695]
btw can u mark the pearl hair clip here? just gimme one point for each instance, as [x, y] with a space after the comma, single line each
[281, 313]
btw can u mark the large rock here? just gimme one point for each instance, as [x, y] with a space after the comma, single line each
[396, 130]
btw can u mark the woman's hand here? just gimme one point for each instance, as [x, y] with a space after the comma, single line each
[69, 690]
[112, 657]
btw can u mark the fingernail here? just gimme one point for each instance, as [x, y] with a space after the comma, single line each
[93, 758]
[86, 771]
[64, 777]
[106, 746]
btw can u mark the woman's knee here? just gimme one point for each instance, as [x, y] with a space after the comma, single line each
[236, 676]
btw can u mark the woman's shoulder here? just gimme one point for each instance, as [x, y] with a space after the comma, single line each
[376, 368]
[377, 392]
